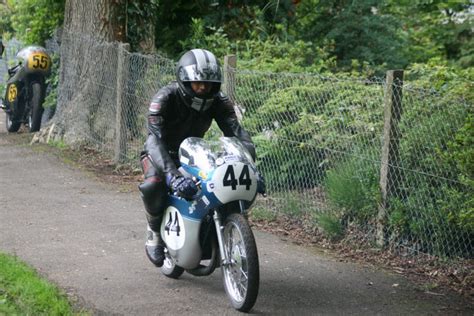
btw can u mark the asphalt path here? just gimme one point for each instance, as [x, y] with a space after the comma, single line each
[87, 237]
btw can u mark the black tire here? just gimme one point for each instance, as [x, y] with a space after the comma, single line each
[242, 275]
[36, 107]
[170, 269]
[12, 125]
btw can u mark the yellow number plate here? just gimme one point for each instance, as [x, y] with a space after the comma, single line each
[39, 61]
[12, 93]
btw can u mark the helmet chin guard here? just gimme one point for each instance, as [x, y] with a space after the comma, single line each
[201, 104]
[198, 65]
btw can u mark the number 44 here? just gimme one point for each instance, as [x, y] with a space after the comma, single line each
[244, 178]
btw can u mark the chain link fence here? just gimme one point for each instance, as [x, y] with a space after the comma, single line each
[8, 59]
[327, 145]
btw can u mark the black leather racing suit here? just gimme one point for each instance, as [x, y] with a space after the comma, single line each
[170, 121]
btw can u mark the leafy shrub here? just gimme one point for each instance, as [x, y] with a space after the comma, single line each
[34, 21]
[352, 187]
[330, 224]
[309, 127]
[426, 225]
[433, 206]
[459, 201]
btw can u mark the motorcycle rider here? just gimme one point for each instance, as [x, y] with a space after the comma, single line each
[184, 108]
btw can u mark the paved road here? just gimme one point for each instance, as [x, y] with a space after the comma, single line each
[88, 237]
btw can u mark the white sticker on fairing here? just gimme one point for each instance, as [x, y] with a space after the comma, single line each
[172, 229]
[210, 186]
[230, 158]
[184, 160]
[234, 181]
[192, 208]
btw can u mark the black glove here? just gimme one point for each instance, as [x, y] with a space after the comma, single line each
[183, 187]
[261, 187]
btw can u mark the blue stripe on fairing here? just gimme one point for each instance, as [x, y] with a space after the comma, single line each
[194, 171]
[200, 208]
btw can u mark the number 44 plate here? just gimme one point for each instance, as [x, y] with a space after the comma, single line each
[236, 181]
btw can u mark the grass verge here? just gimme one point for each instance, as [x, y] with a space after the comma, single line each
[24, 292]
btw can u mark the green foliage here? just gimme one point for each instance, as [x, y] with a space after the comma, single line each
[262, 214]
[330, 224]
[366, 36]
[173, 21]
[23, 292]
[437, 28]
[58, 144]
[307, 125]
[270, 54]
[344, 27]
[210, 38]
[458, 200]
[352, 187]
[275, 55]
[450, 81]
[433, 207]
[293, 206]
[5, 14]
[34, 21]
[427, 225]
[139, 19]
[235, 19]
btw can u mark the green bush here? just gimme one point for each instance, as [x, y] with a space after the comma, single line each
[425, 224]
[433, 205]
[303, 130]
[330, 224]
[34, 21]
[352, 187]
[458, 200]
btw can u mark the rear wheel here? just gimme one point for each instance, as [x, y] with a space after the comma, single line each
[241, 271]
[36, 108]
[169, 267]
[12, 125]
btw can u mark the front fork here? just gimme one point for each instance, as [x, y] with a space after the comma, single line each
[219, 231]
[220, 238]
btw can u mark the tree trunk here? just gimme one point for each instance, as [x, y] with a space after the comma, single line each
[88, 68]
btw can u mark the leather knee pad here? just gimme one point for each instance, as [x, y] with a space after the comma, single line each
[153, 190]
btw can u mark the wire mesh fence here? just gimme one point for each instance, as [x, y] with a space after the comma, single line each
[8, 59]
[320, 142]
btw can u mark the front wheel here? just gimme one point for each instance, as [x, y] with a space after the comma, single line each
[12, 125]
[241, 271]
[36, 108]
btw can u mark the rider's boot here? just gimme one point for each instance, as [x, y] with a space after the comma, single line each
[154, 247]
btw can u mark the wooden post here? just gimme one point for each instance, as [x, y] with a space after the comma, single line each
[120, 150]
[230, 64]
[390, 155]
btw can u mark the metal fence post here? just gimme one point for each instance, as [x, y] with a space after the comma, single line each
[390, 154]
[120, 149]
[230, 64]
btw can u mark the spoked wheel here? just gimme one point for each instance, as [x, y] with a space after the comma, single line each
[169, 267]
[12, 125]
[241, 274]
[36, 108]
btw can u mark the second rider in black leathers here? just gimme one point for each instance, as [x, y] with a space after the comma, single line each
[182, 109]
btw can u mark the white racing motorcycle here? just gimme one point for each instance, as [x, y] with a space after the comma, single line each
[212, 230]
